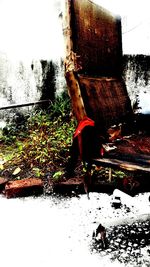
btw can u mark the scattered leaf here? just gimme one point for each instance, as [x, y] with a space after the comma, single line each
[16, 171]
[57, 175]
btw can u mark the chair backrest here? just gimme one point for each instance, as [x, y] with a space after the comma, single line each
[96, 42]
[105, 100]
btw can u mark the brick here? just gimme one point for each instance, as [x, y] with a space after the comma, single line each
[24, 187]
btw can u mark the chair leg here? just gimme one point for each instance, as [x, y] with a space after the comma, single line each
[87, 179]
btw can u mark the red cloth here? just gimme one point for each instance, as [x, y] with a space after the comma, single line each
[84, 122]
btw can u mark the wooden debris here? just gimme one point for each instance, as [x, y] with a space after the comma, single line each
[114, 133]
[24, 187]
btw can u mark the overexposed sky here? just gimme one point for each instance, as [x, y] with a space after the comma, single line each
[135, 23]
[32, 28]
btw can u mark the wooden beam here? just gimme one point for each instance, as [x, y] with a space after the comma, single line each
[67, 31]
[75, 95]
[71, 66]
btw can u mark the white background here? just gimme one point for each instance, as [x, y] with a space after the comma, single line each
[135, 23]
[32, 29]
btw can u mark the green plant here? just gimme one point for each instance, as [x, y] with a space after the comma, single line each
[57, 175]
[118, 174]
[60, 107]
[43, 144]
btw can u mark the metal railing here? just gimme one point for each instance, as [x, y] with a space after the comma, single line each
[25, 104]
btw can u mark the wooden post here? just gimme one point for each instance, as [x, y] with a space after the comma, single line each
[75, 95]
[71, 66]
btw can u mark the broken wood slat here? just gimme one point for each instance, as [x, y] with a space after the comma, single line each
[121, 164]
[24, 187]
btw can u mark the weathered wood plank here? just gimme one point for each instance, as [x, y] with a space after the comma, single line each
[106, 100]
[116, 163]
[96, 36]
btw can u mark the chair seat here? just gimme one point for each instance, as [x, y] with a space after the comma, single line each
[129, 153]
